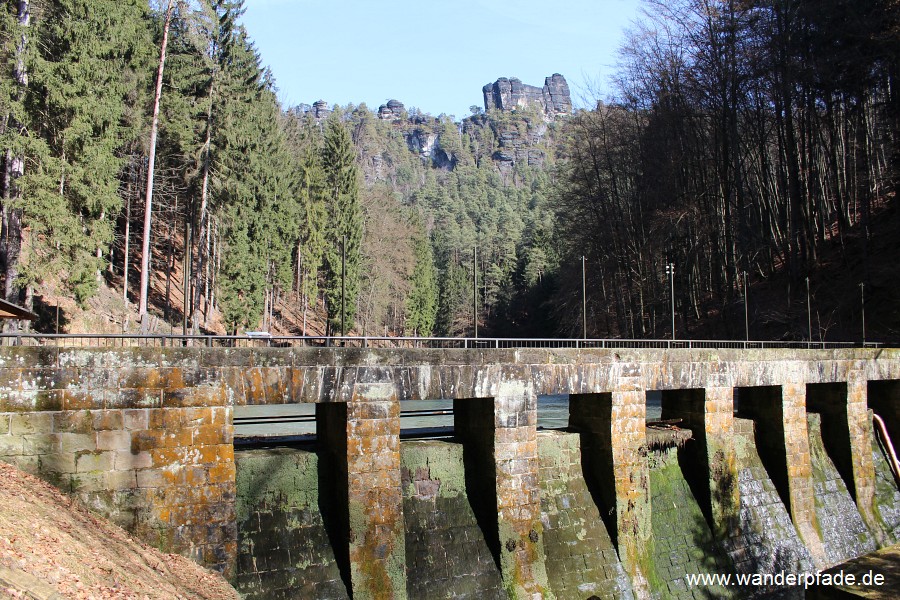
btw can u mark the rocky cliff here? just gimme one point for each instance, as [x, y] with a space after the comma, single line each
[554, 99]
[499, 135]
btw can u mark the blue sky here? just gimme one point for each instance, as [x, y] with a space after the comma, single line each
[435, 56]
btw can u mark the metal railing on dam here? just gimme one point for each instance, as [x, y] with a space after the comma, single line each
[262, 340]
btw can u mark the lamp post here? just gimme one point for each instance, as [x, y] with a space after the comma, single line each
[670, 271]
[862, 293]
[584, 297]
[746, 310]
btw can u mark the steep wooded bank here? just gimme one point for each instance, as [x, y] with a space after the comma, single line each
[744, 137]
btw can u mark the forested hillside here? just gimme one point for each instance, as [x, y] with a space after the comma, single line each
[755, 138]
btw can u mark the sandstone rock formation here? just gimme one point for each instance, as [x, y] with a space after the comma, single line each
[554, 99]
[392, 111]
[319, 109]
[427, 145]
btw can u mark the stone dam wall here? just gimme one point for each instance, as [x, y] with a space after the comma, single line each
[780, 449]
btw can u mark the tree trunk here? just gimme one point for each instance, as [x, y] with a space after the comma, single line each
[14, 168]
[170, 261]
[203, 231]
[148, 208]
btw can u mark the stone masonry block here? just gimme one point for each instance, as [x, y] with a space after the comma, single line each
[57, 463]
[37, 444]
[95, 461]
[113, 440]
[79, 421]
[121, 480]
[108, 420]
[127, 460]
[86, 482]
[29, 423]
[74, 443]
[11, 445]
[136, 418]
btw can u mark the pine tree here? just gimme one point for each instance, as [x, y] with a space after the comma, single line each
[15, 21]
[344, 233]
[257, 190]
[311, 242]
[87, 66]
[422, 303]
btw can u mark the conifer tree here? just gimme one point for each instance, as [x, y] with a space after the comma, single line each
[311, 240]
[88, 63]
[344, 233]
[422, 303]
[257, 190]
[15, 21]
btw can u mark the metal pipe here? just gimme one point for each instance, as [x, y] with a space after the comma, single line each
[895, 465]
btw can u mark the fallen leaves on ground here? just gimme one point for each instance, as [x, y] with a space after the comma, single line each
[52, 537]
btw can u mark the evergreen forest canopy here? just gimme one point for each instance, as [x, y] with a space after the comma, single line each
[744, 137]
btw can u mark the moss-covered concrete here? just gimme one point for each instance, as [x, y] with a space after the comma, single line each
[844, 533]
[284, 550]
[683, 542]
[766, 540]
[447, 555]
[582, 561]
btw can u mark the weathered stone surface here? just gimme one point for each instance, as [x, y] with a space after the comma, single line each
[682, 541]
[518, 495]
[612, 427]
[844, 534]
[447, 555]
[145, 435]
[392, 111]
[581, 558]
[766, 540]
[886, 495]
[375, 503]
[165, 474]
[284, 548]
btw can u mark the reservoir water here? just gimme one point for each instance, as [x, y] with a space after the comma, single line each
[553, 413]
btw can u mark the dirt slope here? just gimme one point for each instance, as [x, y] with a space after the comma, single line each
[50, 543]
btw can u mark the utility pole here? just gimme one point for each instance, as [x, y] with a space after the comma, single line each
[808, 312]
[670, 271]
[584, 297]
[475, 290]
[343, 284]
[862, 292]
[746, 310]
